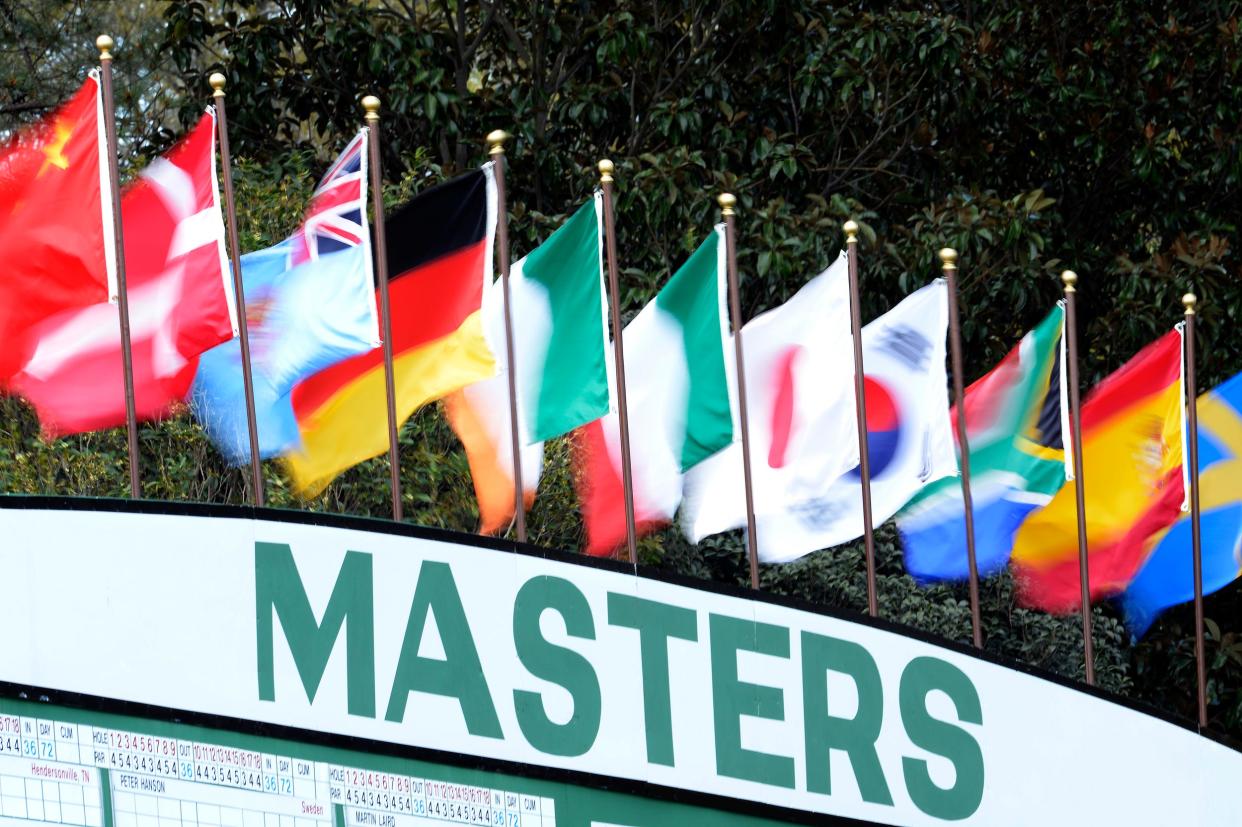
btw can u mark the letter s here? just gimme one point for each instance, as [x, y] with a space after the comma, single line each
[922, 676]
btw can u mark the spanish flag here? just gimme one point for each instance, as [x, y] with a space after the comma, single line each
[1132, 471]
[439, 249]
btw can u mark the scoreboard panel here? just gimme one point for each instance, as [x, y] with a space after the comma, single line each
[70, 767]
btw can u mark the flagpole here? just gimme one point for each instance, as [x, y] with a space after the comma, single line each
[1192, 443]
[372, 104]
[948, 258]
[727, 203]
[104, 44]
[243, 325]
[606, 170]
[496, 140]
[860, 405]
[1070, 279]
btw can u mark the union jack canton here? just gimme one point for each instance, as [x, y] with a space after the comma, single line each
[334, 219]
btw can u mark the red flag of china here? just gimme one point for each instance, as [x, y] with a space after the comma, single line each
[180, 304]
[55, 220]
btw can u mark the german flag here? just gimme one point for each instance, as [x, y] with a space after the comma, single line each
[440, 257]
[1132, 467]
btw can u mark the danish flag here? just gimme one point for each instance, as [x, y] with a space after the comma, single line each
[180, 303]
[337, 212]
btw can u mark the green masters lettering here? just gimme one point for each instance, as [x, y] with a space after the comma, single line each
[922, 676]
[460, 674]
[278, 588]
[656, 623]
[855, 736]
[733, 698]
[556, 664]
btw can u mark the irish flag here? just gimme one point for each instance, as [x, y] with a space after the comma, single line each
[560, 340]
[678, 396]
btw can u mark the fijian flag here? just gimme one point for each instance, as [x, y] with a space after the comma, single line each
[1014, 425]
[439, 259]
[310, 302]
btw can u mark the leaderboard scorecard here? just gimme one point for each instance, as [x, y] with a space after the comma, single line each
[76, 768]
[59, 771]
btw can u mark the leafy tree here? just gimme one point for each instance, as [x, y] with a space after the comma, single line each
[49, 46]
[1109, 146]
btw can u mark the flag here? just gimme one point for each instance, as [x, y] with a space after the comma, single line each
[1167, 576]
[310, 302]
[336, 217]
[56, 228]
[677, 393]
[440, 257]
[802, 412]
[180, 303]
[909, 440]
[1014, 427]
[1132, 464]
[479, 415]
[560, 341]
[560, 328]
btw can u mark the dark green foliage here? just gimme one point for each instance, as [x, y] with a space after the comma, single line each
[48, 47]
[1030, 136]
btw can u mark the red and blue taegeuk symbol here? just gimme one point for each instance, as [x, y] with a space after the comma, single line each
[883, 426]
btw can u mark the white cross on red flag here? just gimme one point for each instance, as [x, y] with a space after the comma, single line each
[180, 303]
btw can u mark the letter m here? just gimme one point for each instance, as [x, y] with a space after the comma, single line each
[279, 591]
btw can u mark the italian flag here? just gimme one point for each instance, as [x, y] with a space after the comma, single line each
[678, 396]
[560, 339]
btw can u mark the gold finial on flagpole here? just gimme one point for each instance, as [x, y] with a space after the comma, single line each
[606, 169]
[372, 106]
[496, 140]
[1070, 279]
[217, 83]
[1189, 301]
[948, 258]
[851, 231]
[727, 202]
[104, 44]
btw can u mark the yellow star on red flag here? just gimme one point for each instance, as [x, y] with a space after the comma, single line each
[54, 152]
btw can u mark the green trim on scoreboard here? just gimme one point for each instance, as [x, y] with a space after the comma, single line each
[105, 793]
[157, 761]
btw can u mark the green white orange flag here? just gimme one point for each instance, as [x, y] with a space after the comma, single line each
[678, 401]
[560, 340]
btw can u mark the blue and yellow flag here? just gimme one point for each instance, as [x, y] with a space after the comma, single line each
[310, 303]
[1167, 577]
